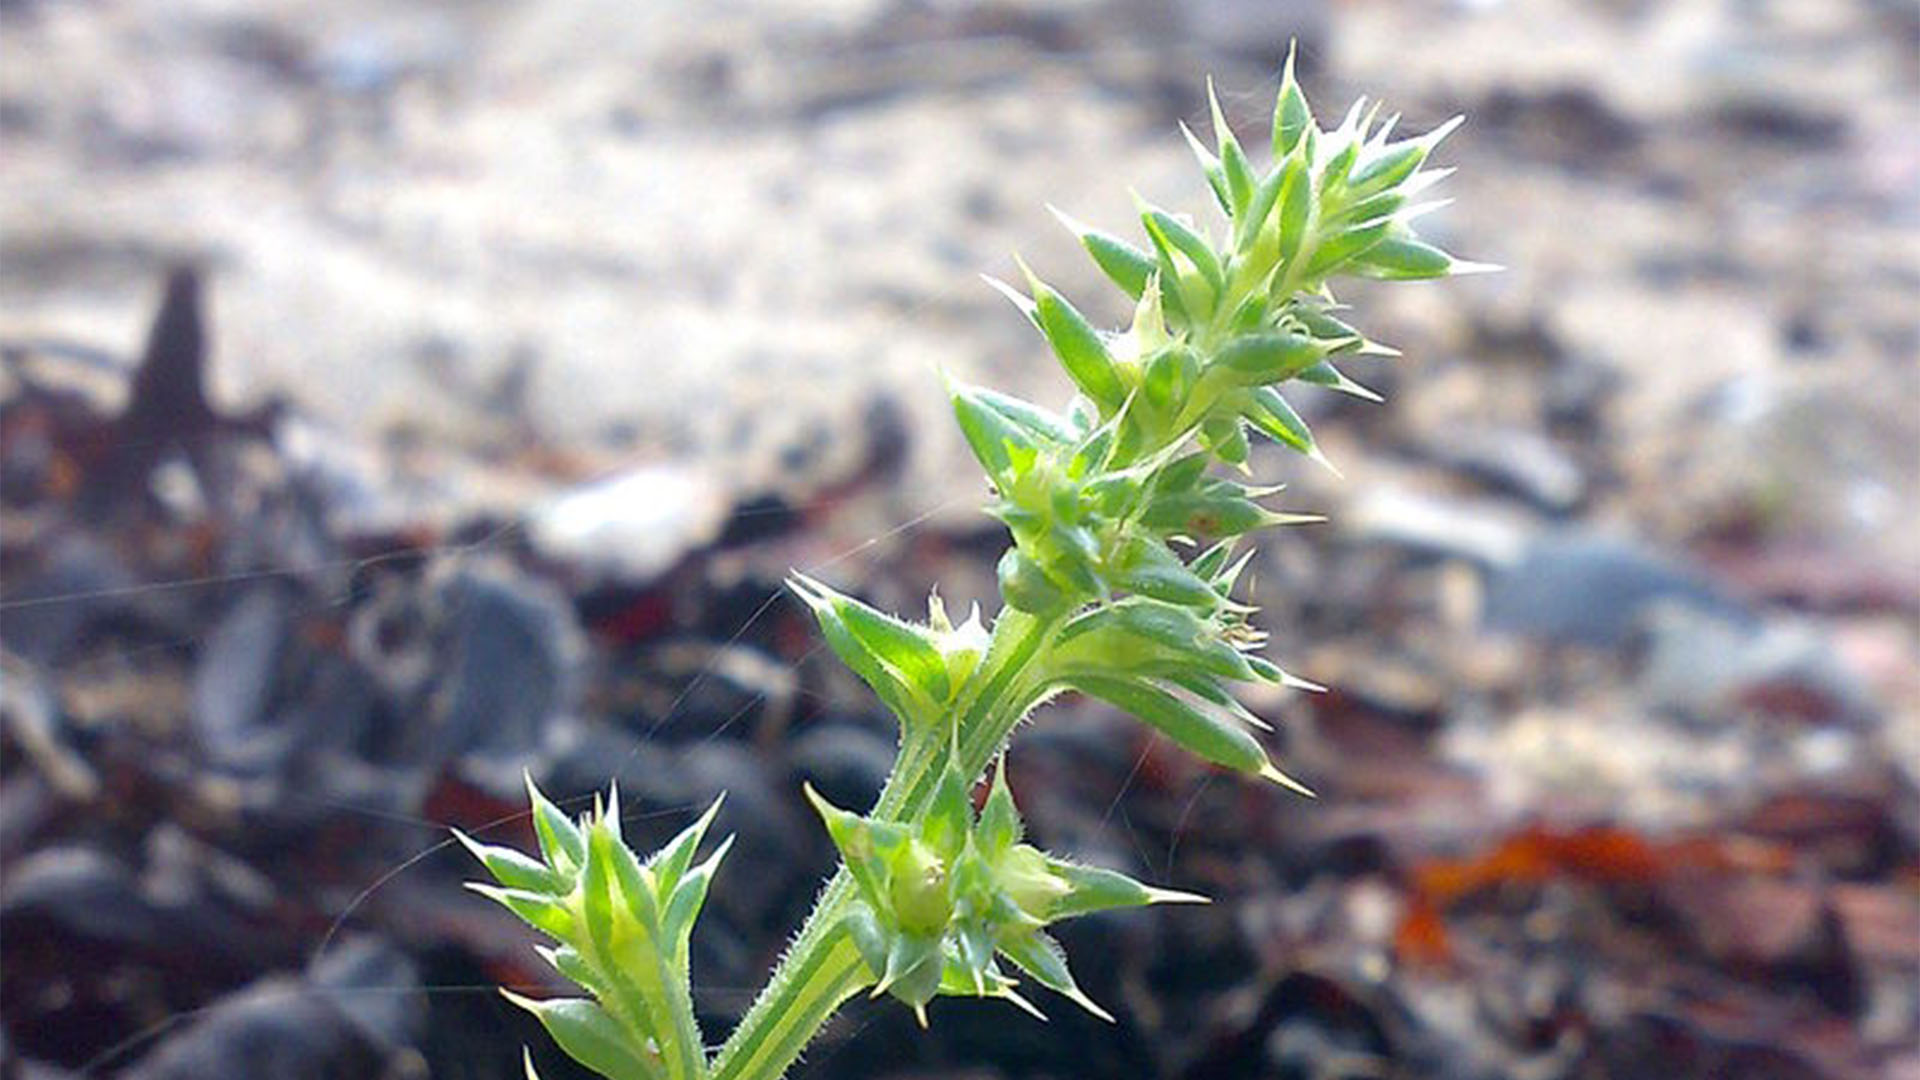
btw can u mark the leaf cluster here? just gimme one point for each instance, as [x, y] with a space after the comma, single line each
[622, 929]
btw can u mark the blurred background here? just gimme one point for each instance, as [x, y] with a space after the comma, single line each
[397, 396]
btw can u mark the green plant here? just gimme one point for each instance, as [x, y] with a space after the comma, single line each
[1101, 501]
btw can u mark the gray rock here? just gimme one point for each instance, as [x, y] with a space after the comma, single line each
[846, 764]
[376, 987]
[233, 682]
[1576, 587]
[1485, 535]
[1519, 462]
[1703, 665]
[634, 526]
[277, 1027]
[513, 658]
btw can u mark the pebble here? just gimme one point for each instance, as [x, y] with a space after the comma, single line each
[632, 527]
[1582, 588]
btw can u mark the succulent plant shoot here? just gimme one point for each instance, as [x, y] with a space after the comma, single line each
[1127, 543]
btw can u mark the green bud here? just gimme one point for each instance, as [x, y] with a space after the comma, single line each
[1169, 378]
[1029, 881]
[919, 892]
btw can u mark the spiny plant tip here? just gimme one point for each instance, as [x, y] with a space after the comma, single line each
[1125, 508]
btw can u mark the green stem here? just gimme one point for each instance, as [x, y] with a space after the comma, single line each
[822, 969]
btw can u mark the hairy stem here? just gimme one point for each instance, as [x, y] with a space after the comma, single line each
[821, 970]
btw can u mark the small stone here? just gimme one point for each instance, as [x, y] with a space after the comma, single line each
[233, 681]
[634, 526]
[1704, 665]
[846, 764]
[1519, 462]
[1577, 587]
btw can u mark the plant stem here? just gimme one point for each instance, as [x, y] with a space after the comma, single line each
[821, 970]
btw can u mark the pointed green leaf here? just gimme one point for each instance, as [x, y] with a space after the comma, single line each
[1125, 265]
[1324, 374]
[560, 840]
[1296, 208]
[512, 869]
[1041, 957]
[1386, 169]
[1205, 687]
[543, 913]
[1233, 160]
[1043, 425]
[1169, 230]
[949, 818]
[897, 695]
[1344, 247]
[1091, 889]
[1148, 567]
[1292, 119]
[866, 846]
[1259, 207]
[688, 897]
[567, 961]
[598, 900]
[990, 435]
[1203, 731]
[1210, 167]
[1258, 359]
[1079, 347]
[1207, 514]
[999, 827]
[1275, 419]
[671, 861]
[591, 1036]
[1403, 259]
[912, 652]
